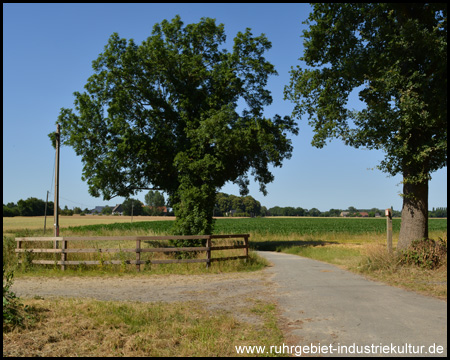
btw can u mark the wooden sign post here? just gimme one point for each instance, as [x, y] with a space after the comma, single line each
[388, 214]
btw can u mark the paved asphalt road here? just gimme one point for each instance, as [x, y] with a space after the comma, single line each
[322, 304]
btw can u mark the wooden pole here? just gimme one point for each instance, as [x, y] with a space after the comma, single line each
[56, 215]
[208, 251]
[19, 246]
[388, 214]
[45, 213]
[246, 247]
[138, 255]
[63, 254]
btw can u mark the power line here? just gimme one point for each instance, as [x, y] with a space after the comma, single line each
[75, 202]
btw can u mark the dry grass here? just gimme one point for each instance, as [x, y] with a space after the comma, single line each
[74, 327]
[13, 224]
[380, 265]
[17, 223]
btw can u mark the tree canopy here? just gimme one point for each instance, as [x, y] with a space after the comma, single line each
[181, 114]
[132, 207]
[395, 57]
[29, 207]
[154, 199]
[228, 205]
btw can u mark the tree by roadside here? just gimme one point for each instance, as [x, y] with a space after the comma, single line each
[395, 57]
[166, 117]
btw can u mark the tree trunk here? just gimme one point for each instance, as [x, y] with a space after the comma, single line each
[194, 210]
[414, 213]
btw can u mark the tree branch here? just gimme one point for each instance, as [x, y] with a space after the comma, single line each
[138, 188]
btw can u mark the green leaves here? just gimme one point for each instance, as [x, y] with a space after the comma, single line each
[163, 114]
[394, 56]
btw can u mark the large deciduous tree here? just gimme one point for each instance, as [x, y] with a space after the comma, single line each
[179, 113]
[155, 202]
[395, 57]
[132, 207]
[154, 199]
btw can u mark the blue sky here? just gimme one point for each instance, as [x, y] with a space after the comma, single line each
[47, 55]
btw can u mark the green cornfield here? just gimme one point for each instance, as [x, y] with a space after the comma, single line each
[270, 226]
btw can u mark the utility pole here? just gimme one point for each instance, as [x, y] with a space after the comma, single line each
[132, 207]
[55, 245]
[45, 213]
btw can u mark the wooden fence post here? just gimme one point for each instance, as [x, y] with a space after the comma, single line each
[19, 245]
[208, 251]
[63, 254]
[246, 247]
[138, 255]
[388, 214]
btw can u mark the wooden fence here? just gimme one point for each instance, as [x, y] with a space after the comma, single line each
[64, 250]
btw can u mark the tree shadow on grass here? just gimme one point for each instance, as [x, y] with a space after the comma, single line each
[282, 245]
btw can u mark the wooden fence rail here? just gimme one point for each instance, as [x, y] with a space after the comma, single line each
[138, 250]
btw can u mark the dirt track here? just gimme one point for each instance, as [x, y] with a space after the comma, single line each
[232, 292]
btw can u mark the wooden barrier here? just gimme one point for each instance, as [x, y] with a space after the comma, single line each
[138, 250]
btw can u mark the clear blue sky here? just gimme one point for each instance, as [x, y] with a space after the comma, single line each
[47, 54]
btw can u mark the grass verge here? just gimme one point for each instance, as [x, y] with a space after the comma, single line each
[378, 264]
[254, 263]
[82, 327]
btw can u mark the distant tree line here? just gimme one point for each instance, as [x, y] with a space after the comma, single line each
[29, 207]
[232, 205]
[440, 212]
[350, 212]
[298, 211]
[226, 205]
[36, 207]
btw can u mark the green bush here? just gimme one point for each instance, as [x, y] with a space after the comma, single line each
[12, 308]
[426, 253]
[9, 256]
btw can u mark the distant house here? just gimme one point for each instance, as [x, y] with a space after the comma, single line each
[97, 210]
[345, 213]
[364, 214]
[163, 209]
[117, 210]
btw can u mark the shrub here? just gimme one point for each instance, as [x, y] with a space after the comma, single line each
[9, 256]
[12, 308]
[426, 253]
[27, 260]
